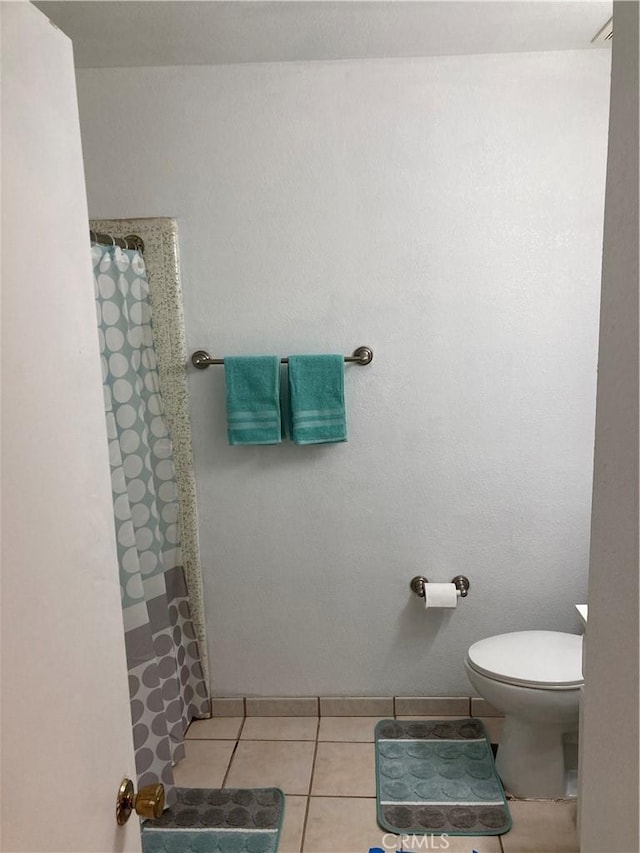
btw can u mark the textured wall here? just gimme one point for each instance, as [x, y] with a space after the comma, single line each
[446, 212]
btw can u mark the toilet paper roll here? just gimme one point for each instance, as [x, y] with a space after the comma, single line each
[440, 595]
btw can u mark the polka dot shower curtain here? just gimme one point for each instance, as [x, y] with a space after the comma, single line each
[165, 675]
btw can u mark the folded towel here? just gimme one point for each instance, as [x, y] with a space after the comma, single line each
[253, 399]
[316, 389]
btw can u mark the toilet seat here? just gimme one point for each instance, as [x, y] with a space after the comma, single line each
[548, 660]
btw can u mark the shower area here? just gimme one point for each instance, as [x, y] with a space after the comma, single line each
[141, 336]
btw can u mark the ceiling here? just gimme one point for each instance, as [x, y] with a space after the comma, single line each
[212, 32]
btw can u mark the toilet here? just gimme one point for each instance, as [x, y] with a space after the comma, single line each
[534, 679]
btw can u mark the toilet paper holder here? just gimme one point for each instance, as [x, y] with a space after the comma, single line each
[460, 582]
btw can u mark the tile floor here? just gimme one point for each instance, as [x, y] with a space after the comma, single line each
[325, 767]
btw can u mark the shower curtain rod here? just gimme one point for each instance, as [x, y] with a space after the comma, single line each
[131, 241]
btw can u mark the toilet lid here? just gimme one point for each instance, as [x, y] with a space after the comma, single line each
[530, 658]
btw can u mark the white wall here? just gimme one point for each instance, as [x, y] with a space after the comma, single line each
[66, 724]
[611, 702]
[446, 212]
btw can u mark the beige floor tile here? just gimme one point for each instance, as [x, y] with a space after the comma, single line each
[263, 763]
[542, 827]
[280, 728]
[348, 825]
[344, 770]
[205, 765]
[354, 729]
[217, 728]
[295, 811]
[338, 825]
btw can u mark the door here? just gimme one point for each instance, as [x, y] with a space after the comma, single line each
[66, 727]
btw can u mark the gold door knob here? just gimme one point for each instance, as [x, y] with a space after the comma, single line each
[148, 802]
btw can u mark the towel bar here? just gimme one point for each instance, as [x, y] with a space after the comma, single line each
[201, 359]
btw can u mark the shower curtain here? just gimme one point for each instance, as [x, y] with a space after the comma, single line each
[166, 683]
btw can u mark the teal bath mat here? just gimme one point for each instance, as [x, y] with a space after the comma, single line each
[438, 777]
[211, 820]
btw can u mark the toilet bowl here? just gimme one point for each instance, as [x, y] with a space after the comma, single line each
[534, 678]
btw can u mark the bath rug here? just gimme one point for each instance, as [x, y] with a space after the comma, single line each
[438, 776]
[212, 820]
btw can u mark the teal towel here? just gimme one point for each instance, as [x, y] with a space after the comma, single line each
[316, 392]
[253, 399]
